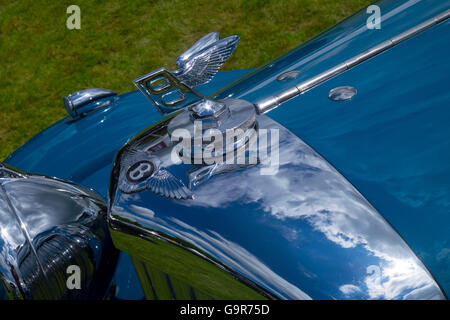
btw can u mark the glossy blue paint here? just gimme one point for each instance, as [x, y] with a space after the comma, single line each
[332, 47]
[298, 230]
[392, 139]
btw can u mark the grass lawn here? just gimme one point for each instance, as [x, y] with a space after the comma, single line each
[41, 60]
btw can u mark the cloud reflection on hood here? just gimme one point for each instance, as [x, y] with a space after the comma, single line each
[307, 187]
[229, 253]
[306, 196]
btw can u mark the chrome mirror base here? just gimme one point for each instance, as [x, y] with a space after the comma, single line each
[85, 101]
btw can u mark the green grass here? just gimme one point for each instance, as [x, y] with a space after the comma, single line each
[185, 269]
[41, 60]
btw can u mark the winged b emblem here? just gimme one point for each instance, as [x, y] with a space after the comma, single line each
[202, 61]
[171, 90]
[142, 171]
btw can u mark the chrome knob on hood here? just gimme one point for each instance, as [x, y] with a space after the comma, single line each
[85, 101]
[223, 126]
[204, 118]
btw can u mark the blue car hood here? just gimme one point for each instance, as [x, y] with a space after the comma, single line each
[391, 141]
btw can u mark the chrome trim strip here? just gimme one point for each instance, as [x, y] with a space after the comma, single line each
[271, 102]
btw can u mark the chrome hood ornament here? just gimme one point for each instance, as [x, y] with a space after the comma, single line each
[172, 90]
[202, 61]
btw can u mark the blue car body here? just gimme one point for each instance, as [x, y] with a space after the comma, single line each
[391, 142]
